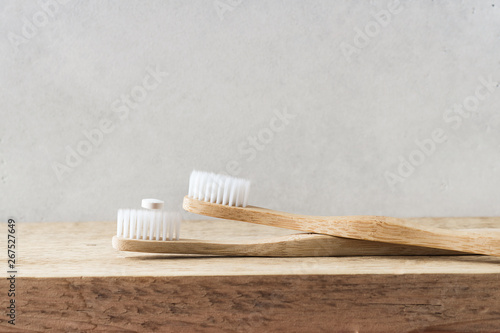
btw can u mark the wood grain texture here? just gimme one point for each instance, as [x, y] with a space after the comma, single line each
[372, 228]
[71, 279]
[285, 303]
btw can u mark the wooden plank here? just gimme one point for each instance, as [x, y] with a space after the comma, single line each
[70, 279]
[266, 303]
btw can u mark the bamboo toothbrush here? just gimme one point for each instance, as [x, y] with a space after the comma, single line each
[226, 197]
[154, 231]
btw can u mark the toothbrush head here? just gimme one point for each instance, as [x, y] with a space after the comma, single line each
[219, 189]
[155, 225]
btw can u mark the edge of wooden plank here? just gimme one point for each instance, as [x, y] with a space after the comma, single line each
[285, 303]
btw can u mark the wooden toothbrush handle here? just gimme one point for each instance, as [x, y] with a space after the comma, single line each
[400, 231]
[372, 228]
[297, 245]
[383, 229]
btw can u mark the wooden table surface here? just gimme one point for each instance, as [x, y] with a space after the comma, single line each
[71, 279]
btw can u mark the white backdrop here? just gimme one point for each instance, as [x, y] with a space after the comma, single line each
[329, 107]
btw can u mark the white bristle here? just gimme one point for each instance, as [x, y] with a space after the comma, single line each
[165, 232]
[126, 221]
[139, 226]
[145, 223]
[158, 222]
[220, 189]
[133, 214]
[119, 222]
[152, 223]
[148, 224]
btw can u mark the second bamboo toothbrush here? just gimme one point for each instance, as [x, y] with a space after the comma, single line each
[226, 197]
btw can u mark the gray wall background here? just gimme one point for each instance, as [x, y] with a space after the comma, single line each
[364, 82]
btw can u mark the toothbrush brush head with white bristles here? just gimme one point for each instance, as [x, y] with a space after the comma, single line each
[148, 224]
